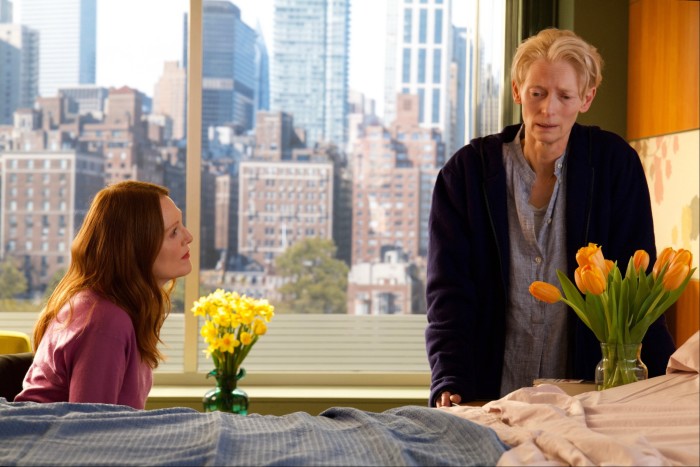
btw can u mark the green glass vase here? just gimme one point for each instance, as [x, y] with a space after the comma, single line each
[226, 396]
[621, 364]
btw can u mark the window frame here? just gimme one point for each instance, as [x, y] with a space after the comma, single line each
[192, 373]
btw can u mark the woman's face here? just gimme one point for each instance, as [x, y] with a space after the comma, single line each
[173, 259]
[551, 101]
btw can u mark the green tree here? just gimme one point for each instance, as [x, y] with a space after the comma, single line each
[12, 281]
[53, 282]
[315, 281]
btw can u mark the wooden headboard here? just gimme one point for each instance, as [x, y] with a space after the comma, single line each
[684, 316]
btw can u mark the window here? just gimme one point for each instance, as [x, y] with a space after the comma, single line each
[437, 66]
[406, 65]
[436, 106]
[408, 21]
[421, 66]
[423, 26]
[279, 199]
[438, 26]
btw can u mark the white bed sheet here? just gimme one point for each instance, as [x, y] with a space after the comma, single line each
[652, 422]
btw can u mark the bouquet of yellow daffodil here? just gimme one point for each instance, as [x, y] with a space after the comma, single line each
[620, 310]
[233, 323]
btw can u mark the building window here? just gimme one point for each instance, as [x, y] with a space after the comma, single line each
[406, 70]
[423, 26]
[436, 106]
[421, 66]
[407, 25]
[437, 65]
[438, 26]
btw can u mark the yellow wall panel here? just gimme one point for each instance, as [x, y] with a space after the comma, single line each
[663, 61]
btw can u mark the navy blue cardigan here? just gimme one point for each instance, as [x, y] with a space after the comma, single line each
[607, 203]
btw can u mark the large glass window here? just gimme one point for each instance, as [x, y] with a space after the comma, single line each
[269, 122]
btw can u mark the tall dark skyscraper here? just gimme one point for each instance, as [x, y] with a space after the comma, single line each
[228, 68]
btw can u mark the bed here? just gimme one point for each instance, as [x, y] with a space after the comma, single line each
[652, 422]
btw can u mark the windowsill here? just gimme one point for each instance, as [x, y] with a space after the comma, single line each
[279, 400]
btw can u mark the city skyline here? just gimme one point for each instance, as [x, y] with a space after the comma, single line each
[262, 189]
[136, 59]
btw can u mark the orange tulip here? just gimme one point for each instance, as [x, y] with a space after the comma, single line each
[664, 257]
[579, 282]
[682, 257]
[641, 260]
[545, 292]
[674, 277]
[591, 254]
[609, 266]
[591, 279]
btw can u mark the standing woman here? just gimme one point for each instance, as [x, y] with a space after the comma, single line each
[514, 207]
[96, 340]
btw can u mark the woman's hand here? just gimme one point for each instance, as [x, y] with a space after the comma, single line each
[447, 399]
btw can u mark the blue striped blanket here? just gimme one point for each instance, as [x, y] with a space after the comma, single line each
[98, 434]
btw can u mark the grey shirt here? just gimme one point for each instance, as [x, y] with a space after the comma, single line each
[536, 338]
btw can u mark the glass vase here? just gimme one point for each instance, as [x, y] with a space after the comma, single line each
[621, 364]
[226, 396]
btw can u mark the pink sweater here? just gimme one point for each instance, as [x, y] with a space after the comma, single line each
[100, 363]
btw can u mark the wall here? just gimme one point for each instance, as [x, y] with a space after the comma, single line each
[662, 91]
[604, 24]
[663, 124]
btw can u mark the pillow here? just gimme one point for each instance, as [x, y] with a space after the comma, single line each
[687, 357]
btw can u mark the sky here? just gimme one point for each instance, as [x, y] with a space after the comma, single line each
[135, 37]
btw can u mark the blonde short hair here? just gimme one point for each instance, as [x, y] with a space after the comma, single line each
[556, 45]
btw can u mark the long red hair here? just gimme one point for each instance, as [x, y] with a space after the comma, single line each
[113, 255]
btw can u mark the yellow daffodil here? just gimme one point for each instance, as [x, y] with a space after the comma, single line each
[232, 324]
[246, 338]
[259, 328]
[227, 343]
[209, 331]
[545, 292]
[222, 317]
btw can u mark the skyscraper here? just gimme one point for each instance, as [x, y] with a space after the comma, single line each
[458, 89]
[18, 66]
[310, 66]
[418, 57]
[5, 11]
[67, 41]
[262, 72]
[170, 97]
[228, 68]
[244, 73]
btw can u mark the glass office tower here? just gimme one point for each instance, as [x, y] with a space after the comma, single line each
[228, 69]
[309, 76]
[67, 41]
[418, 57]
